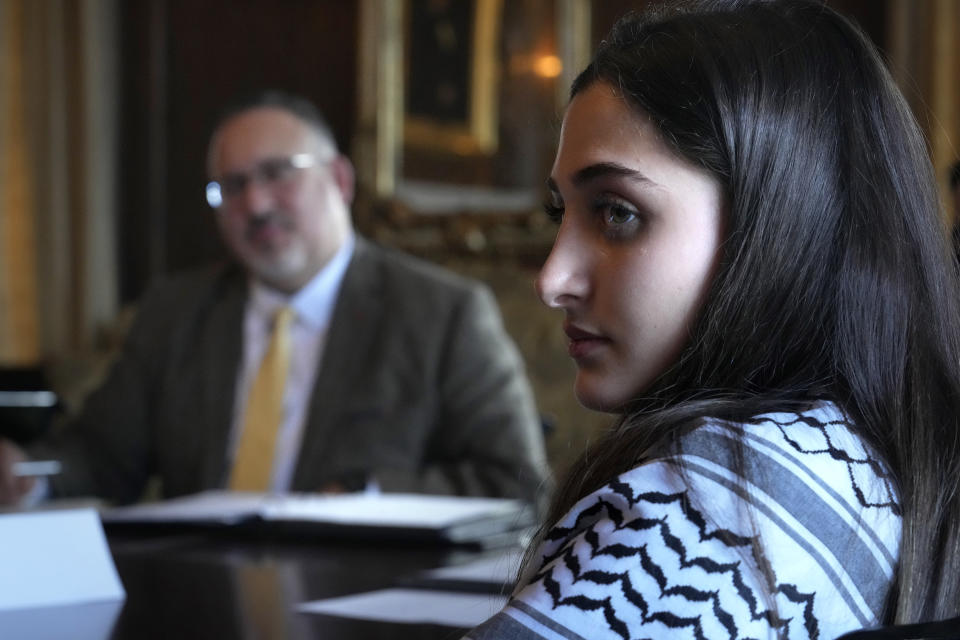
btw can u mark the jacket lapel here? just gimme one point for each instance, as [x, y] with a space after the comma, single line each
[222, 352]
[353, 327]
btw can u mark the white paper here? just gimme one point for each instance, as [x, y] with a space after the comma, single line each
[211, 506]
[385, 510]
[388, 509]
[464, 610]
[93, 621]
[496, 569]
[52, 558]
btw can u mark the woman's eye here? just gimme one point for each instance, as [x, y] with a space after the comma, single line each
[617, 219]
[615, 212]
[554, 211]
[618, 214]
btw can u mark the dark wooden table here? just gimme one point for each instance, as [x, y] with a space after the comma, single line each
[203, 585]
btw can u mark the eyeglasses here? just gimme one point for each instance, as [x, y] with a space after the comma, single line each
[269, 172]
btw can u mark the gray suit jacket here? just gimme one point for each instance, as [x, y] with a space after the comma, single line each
[419, 387]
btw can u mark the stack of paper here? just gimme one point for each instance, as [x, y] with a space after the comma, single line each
[400, 516]
[57, 578]
[457, 596]
[494, 573]
[55, 558]
[412, 606]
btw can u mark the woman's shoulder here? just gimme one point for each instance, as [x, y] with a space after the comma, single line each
[791, 505]
[805, 478]
[787, 454]
[808, 465]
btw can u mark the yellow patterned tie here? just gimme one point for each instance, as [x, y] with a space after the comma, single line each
[254, 458]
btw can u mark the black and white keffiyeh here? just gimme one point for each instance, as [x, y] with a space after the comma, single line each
[659, 554]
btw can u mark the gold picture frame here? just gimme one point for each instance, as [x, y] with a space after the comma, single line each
[385, 129]
[474, 81]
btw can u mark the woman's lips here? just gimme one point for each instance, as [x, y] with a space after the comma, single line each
[583, 343]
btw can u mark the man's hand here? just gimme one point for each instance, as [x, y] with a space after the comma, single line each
[12, 488]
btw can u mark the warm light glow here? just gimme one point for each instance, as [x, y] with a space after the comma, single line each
[548, 66]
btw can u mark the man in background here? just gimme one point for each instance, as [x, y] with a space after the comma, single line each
[316, 361]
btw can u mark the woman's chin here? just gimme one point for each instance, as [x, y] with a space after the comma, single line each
[595, 399]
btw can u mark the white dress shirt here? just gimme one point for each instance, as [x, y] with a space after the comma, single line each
[313, 307]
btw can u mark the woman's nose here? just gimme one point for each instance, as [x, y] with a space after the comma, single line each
[563, 280]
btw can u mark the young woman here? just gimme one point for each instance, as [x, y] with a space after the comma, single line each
[754, 273]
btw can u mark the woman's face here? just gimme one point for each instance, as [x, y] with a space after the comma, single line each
[638, 243]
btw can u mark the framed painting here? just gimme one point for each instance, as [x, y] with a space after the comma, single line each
[451, 74]
[460, 100]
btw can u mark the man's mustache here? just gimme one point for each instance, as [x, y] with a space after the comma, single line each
[269, 218]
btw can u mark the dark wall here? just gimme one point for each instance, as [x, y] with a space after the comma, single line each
[181, 61]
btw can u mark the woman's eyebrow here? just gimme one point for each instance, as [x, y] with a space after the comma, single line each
[602, 170]
[608, 169]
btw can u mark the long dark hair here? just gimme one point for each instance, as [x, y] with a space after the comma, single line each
[835, 281]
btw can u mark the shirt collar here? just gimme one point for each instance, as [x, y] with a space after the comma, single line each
[314, 301]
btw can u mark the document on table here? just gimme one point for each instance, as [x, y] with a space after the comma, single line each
[411, 606]
[90, 621]
[55, 558]
[494, 573]
[462, 595]
[450, 518]
[494, 567]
